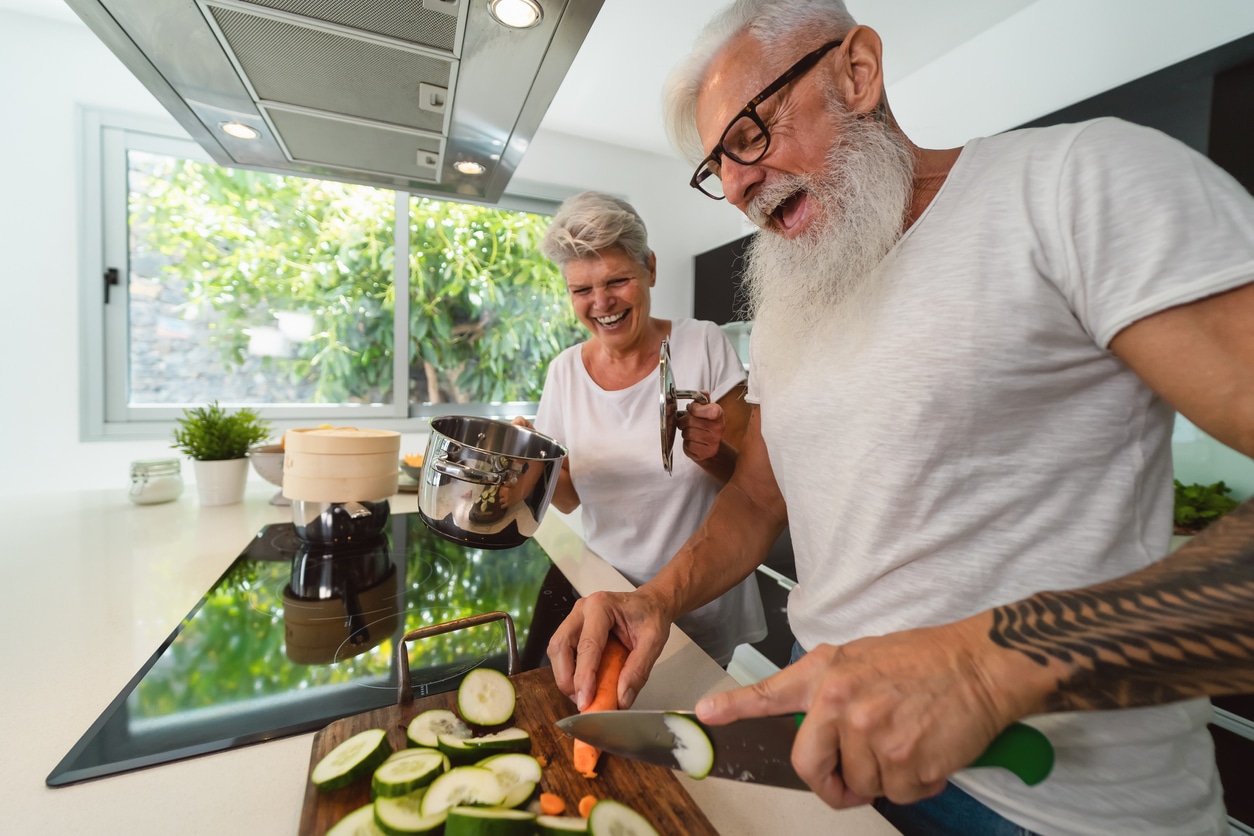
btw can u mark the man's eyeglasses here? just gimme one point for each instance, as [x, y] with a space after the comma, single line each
[746, 138]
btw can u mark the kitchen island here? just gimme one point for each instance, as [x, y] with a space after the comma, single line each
[94, 584]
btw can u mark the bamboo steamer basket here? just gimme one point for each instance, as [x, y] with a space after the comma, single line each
[340, 464]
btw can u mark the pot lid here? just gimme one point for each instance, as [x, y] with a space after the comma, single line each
[668, 405]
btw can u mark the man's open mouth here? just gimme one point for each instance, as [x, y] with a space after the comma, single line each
[790, 210]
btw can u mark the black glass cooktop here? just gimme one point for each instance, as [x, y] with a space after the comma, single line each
[290, 639]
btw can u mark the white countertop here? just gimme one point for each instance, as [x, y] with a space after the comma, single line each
[94, 584]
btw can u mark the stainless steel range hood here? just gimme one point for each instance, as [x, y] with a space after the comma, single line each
[391, 93]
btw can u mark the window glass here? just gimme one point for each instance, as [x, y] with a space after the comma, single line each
[255, 288]
[487, 310]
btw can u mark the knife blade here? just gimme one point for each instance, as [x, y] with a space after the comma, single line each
[759, 749]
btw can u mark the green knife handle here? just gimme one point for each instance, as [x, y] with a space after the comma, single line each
[1020, 748]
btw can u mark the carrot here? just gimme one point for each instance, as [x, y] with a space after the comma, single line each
[586, 804]
[551, 805]
[604, 698]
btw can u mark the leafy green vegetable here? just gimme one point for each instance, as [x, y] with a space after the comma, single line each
[208, 433]
[1197, 506]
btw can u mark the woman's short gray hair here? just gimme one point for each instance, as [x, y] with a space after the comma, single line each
[591, 222]
[773, 23]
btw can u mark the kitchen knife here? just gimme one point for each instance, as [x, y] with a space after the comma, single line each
[759, 749]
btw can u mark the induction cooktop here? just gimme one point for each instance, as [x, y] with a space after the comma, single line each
[291, 638]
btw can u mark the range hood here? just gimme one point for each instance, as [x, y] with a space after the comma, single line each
[391, 93]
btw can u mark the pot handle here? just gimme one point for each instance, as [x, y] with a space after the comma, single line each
[404, 691]
[688, 395]
[443, 466]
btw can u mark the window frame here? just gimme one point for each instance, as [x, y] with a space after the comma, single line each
[105, 139]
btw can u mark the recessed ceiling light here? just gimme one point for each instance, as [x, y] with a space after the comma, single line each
[239, 130]
[516, 14]
[469, 167]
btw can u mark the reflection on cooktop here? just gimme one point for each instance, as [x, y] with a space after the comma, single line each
[291, 638]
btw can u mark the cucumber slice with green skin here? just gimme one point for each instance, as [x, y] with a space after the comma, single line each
[355, 758]
[402, 815]
[509, 740]
[693, 750]
[513, 769]
[486, 698]
[425, 729]
[560, 825]
[463, 786]
[489, 821]
[459, 751]
[401, 776]
[360, 822]
[519, 794]
[611, 818]
[518, 775]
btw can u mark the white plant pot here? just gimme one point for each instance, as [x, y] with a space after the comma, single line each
[221, 482]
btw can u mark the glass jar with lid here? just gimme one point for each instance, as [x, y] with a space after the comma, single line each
[155, 480]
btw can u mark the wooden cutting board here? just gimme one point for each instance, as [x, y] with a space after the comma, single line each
[653, 791]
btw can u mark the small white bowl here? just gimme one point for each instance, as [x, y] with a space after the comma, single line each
[267, 460]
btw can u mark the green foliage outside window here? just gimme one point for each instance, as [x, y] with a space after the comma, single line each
[487, 310]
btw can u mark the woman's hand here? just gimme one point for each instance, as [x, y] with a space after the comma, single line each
[703, 428]
[520, 421]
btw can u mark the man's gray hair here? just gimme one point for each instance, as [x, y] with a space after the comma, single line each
[776, 24]
[591, 222]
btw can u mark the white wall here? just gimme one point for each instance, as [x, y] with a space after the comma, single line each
[63, 66]
[1052, 54]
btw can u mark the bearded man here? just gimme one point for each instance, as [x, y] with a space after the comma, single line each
[965, 366]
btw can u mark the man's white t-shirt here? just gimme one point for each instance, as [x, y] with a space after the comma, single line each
[635, 516]
[982, 443]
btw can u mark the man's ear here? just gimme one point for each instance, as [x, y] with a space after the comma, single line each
[860, 72]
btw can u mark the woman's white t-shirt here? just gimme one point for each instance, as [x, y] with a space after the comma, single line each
[636, 516]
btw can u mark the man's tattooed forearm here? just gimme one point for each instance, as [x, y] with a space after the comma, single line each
[1181, 628]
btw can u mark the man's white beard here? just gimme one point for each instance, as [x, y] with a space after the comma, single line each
[824, 279]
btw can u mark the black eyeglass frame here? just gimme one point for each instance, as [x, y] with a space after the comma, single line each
[803, 66]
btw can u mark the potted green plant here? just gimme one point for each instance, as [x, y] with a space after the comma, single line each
[218, 442]
[1197, 506]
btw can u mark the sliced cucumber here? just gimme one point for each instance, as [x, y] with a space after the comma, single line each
[519, 794]
[427, 726]
[360, 822]
[403, 775]
[458, 750]
[354, 758]
[489, 821]
[513, 769]
[610, 818]
[486, 698]
[509, 740]
[559, 825]
[693, 750]
[462, 786]
[402, 815]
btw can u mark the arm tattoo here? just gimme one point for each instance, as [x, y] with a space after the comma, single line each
[1181, 628]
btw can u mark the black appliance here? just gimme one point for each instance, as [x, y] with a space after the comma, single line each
[291, 638]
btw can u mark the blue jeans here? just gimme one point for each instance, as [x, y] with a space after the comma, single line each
[951, 813]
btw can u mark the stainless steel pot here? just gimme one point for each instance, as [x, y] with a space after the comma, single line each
[487, 483]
